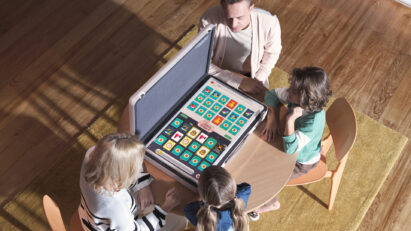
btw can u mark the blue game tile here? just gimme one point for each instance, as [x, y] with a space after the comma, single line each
[223, 100]
[195, 161]
[177, 150]
[186, 155]
[177, 123]
[194, 146]
[200, 98]
[203, 165]
[211, 157]
[216, 107]
[232, 117]
[161, 140]
[169, 131]
[207, 90]
[208, 102]
[247, 114]
[215, 95]
[186, 127]
[224, 112]
[192, 106]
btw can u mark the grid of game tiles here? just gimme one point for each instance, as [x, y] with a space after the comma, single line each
[203, 129]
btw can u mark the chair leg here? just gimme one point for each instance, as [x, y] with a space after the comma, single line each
[335, 181]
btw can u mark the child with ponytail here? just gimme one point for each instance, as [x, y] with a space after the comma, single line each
[223, 203]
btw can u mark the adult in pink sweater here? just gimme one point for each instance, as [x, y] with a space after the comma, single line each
[235, 17]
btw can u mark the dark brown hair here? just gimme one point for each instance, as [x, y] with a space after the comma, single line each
[312, 86]
[217, 189]
[224, 2]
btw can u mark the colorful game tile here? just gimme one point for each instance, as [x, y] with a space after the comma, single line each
[223, 100]
[248, 114]
[177, 150]
[239, 109]
[203, 166]
[195, 160]
[217, 120]
[192, 106]
[215, 95]
[208, 102]
[169, 145]
[186, 127]
[207, 90]
[176, 123]
[194, 146]
[169, 131]
[210, 143]
[209, 115]
[160, 140]
[159, 151]
[211, 157]
[224, 112]
[234, 130]
[185, 141]
[241, 121]
[219, 148]
[202, 152]
[200, 98]
[201, 110]
[232, 117]
[216, 107]
[186, 155]
[225, 125]
[201, 138]
[193, 133]
[177, 136]
[231, 104]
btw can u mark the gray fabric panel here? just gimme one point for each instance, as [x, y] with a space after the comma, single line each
[172, 86]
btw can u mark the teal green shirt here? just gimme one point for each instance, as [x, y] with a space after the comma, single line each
[306, 140]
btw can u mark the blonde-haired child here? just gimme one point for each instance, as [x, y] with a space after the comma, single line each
[114, 187]
[222, 205]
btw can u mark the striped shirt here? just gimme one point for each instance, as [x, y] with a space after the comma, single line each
[116, 210]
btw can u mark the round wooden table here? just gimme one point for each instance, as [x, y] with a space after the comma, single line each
[263, 165]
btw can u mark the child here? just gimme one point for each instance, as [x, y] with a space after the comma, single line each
[304, 124]
[113, 187]
[222, 202]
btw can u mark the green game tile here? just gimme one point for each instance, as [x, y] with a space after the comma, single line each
[203, 166]
[177, 150]
[161, 140]
[225, 125]
[186, 155]
[194, 146]
[210, 143]
[211, 157]
[195, 161]
[177, 122]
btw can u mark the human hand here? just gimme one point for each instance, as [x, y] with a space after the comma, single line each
[252, 86]
[268, 131]
[172, 200]
[296, 112]
[145, 197]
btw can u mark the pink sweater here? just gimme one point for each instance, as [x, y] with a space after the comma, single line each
[265, 46]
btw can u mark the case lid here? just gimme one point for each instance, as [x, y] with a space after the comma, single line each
[155, 99]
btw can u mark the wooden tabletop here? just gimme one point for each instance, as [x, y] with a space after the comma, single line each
[263, 165]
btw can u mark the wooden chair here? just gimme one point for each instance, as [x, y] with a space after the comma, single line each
[54, 218]
[342, 123]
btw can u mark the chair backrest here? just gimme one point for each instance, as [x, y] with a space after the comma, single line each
[342, 123]
[53, 214]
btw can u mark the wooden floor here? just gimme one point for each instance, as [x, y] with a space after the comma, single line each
[62, 62]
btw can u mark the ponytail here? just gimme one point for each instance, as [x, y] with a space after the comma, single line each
[240, 219]
[206, 218]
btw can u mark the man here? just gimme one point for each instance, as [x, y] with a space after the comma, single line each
[247, 44]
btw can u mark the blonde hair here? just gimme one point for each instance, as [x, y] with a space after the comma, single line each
[115, 163]
[217, 189]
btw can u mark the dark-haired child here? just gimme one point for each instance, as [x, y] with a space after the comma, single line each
[306, 99]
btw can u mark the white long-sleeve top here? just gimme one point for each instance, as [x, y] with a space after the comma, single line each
[265, 44]
[116, 210]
